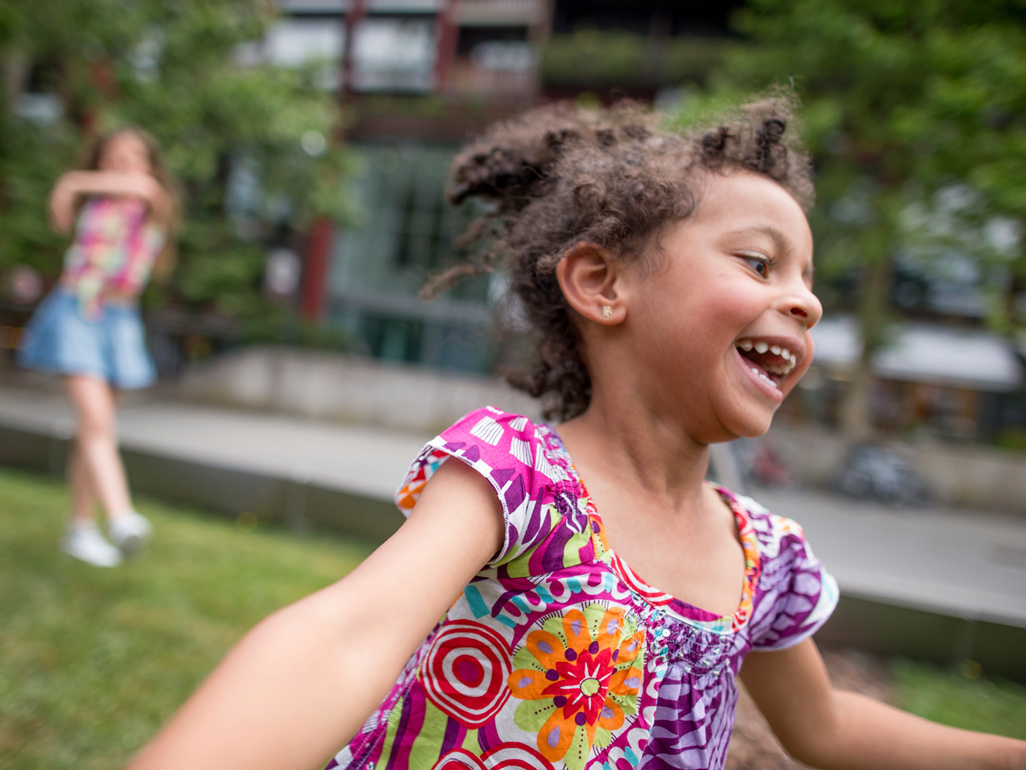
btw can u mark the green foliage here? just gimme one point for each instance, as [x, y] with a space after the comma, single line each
[94, 661]
[903, 99]
[176, 69]
[29, 162]
[282, 326]
[217, 270]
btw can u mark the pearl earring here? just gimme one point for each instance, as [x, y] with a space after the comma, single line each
[607, 311]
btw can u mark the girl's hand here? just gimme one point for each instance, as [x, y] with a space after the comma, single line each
[303, 681]
[833, 729]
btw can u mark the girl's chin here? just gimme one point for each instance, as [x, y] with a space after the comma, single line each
[751, 426]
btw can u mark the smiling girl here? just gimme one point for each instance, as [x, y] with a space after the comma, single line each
[599, 598]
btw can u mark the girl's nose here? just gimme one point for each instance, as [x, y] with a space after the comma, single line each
[805, 306]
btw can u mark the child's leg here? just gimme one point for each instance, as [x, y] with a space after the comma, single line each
[83, 495]
[96, 447]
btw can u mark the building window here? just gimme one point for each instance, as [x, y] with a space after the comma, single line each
[379, 265]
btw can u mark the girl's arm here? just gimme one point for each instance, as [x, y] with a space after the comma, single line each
[299, 685]
[838, 730]
[75, 184]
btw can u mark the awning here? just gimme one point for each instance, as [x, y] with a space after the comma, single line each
[918, 352]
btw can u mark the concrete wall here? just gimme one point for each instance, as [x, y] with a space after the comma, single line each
[353, 389]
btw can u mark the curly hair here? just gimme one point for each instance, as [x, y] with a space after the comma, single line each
[559, 175]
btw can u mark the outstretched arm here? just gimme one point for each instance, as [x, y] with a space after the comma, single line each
[300, 685]
[837, 730]
[74, 184]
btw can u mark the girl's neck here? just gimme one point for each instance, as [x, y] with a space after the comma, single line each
[639, 451]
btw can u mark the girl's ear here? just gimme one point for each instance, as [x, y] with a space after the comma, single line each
[589, 278]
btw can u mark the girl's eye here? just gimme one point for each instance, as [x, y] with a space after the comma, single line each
[758, 262]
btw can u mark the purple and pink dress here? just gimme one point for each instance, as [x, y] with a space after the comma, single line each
[557, 655]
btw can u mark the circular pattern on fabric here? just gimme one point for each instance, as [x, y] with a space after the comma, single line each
[458, 759]
[465, 672]
[515, 756]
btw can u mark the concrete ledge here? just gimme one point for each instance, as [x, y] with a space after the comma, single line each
[878, 626]
[962, 475]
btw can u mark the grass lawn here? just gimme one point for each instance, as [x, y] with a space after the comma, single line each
[997, 706]
[93, 661]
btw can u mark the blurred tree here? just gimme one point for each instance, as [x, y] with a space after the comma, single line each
[915, 111]
[250, 143]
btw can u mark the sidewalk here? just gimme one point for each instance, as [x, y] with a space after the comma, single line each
[962, 571]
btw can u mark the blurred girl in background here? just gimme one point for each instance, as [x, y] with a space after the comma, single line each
[122, 210]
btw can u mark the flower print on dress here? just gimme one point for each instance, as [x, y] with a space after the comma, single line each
[465, 672]
[577, 680]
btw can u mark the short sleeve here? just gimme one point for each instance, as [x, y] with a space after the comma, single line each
[796, 595]
[511, 453]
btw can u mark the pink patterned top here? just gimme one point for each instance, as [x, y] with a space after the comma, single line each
[113, 252]
[559, 656]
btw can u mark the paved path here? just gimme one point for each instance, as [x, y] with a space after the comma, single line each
[964, 563]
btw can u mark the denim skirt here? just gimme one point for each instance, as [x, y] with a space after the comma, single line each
[61, 340]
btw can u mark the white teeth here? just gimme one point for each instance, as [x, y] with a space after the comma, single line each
[764, 378]
[761, 347]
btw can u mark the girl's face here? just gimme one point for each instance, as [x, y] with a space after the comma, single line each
[722, 325]
[126, 153]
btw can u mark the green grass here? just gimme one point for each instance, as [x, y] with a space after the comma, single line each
[992, 706]
[93, 661]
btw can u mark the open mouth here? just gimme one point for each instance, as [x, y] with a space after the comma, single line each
[770, 363]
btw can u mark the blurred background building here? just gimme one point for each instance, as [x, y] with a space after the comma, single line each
[409, 81]
[417, 78]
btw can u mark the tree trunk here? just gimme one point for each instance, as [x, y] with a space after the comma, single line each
[872, 306]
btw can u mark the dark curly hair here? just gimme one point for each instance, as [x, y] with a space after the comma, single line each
[559, 175]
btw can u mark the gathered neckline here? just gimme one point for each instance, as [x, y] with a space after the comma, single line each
[685, 611]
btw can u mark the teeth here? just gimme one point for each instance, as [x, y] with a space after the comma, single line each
[764, 378]
[760, 347]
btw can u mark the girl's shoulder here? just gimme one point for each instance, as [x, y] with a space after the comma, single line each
[775, 533]
[492, 432]
[521, 459]
[794, 594]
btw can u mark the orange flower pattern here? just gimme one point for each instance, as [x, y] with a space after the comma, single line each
[577, 678]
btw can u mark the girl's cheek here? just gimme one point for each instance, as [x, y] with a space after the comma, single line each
[810, 351]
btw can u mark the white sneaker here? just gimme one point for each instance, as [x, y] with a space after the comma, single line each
[88, 545]
[130, 531]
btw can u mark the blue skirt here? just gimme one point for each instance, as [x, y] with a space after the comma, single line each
[60, 340]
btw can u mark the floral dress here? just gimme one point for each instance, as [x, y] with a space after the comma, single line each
[557, 655]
